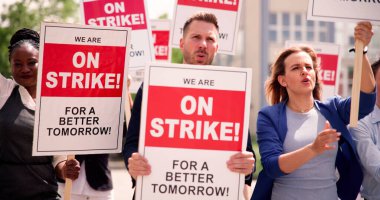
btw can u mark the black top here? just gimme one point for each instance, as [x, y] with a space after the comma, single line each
[98, 174]
[22, 176]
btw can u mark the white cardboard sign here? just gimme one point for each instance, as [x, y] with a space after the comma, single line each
[123, 13]
[161, 37]
[344, 10]
[193, 119]
[227, 13]
[80, 91]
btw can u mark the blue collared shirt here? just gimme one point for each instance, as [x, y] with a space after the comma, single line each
[367, 139]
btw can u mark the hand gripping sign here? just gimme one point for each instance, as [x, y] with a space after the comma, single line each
[226, 11]
[193, 119]
[352, 11]
[123, 13]
[80, 93]
[328, 58]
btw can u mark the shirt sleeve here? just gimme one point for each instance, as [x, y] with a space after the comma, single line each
[133, 131]
[6, 87]
[270, 145]
[366, 104]
[57, 159]
[369, 153]
[248, 178]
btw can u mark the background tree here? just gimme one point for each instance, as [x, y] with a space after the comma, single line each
[30, 14]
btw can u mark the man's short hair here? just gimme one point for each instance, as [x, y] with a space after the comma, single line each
[201, 16]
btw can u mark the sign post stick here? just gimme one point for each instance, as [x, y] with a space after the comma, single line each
[359, 46]
[68, 182]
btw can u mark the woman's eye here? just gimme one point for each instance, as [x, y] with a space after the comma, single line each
[33, 63]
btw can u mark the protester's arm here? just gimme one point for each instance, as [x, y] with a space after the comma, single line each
[133, 131]
[291, 161]
[135, 163]
[363, 32]
[368, 151]
[270, 145]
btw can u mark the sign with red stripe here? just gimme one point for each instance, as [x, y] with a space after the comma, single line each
[161, 36]
[226, 11]
[231, 5]
[123, 13]
[197, 117]
[80, 92]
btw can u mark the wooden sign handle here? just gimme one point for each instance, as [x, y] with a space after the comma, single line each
[68, 182]
[359, 46]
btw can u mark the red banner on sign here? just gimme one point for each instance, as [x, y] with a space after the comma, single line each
[195, 118]
[329, 65]
[82, 71]
[231, 5]
[161, 44]
[123, 13]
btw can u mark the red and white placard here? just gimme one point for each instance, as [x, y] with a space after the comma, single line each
[161, 38]
[226, 11]
[328, 57]
[123, 13]
[80, 93]
[193, 119]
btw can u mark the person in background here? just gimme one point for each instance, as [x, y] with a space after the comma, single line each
[199, 45]
[302, 141]
[94, 180]
[367, 138]
[23, 176]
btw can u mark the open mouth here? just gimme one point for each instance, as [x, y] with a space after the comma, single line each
[305, 80]
[26, 76]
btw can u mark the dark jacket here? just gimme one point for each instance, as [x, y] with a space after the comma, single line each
[98, 174]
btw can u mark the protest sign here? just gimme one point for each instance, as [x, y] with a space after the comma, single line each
[328, 58]
[161, 35]
[349, 11]
[123, 13]
[193, 119]
[81, 89]
[226, 11]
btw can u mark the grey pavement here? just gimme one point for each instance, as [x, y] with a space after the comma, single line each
[121, 181]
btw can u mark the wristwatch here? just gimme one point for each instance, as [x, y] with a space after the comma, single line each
[365, 50]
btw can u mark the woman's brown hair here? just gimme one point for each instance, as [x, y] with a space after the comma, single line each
[276, 93]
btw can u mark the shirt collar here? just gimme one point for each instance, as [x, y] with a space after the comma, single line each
[26, 99]
[375, 115]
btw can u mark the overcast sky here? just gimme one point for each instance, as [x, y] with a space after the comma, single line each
[155, 7]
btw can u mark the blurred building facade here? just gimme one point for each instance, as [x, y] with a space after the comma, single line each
[267, 24]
